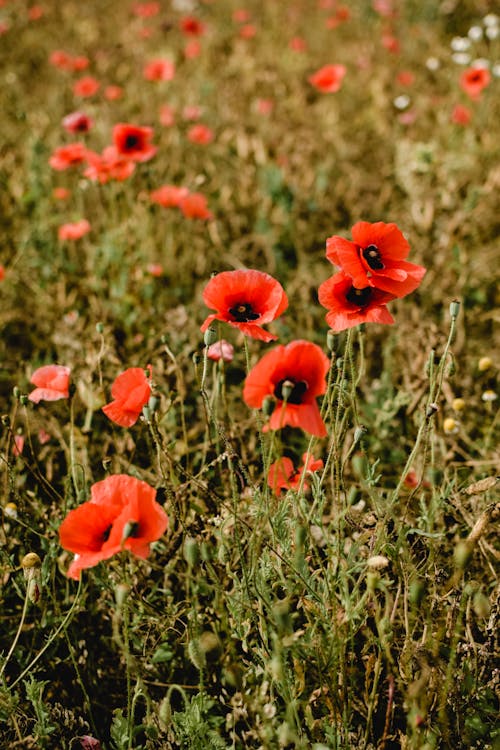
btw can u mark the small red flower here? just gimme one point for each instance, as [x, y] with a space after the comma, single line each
[474, 80]
[294, 375]
[159, 70]
[110, 165]
[111, 93]
[194, 206]
[328, 79]
[405, 78]
[155, 269]
[245, 299]
[146, 10]
[192, 49]
[200, 134]
[74, 231]
[297, 44]
[122, 514]
[52, 383]
[169, 196]
[77, 122]
[283, 475]
[192, 26]
[86, 86]
[133, 142]
[461, 115]
[131, 391]
[2, 273]
[79, 63]
[61, 193]
[349, 306]
[68, 156]
[376, 258]
[167, 116]
[221, 350]
[60, 59]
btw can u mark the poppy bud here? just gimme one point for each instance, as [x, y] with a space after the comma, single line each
[31, 565]
[23, 399]
[153, 403]
[377, 562]
[454, 309]
[287, 389]
[268, 405]
[481, 605]
[430, 362]
[451, 368]
[146, 414]
[210, 336]
[165, 713]
[330, 341]
[99, 328]
[416, 592]
[196, 654]
[358, 434]
[16, 392]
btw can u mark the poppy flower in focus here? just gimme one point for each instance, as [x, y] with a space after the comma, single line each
[130, 391]
[169, 196]
[67, 156]
[194, 206]
[74, 231]
[200, 134]
[77, 122]
[461, 115]
[159, 70]
[121, 514]
[110, 165]
[328, 79]
[282, 474]
[349, 306]
[474, 80]
[246, 299]
[294, 375]
[86, 86]
[221, 350]
[52, 383]
[191, 26]
[376, 258]
[133, 142]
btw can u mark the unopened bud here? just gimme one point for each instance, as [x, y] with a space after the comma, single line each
[210, 336]
[23, 399]
[153, 403]
[454, 309]
[268, 405]
[451, 368]
[99, 327]
[196, 654]
[16, 391]
[330, 341]
[287, 389]
[372, 580]
[31, 565]
[377, 562]
[122, 591]
[31, 560]
[358, 434]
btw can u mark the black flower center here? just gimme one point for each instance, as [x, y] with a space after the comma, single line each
[290, 391]
[131, 142]
[243, 312]
[106, 533]
[359, 297]
[372, 256]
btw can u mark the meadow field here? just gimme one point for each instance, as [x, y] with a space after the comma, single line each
[249, 359]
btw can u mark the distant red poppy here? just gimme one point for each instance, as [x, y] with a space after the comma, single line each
[35, 12]
[122, 514]
[349, 306]
[18, 446]
[61, 193]
[146, 10]
[167, 116]
[405, 78]
[133, 141]
[328, 79]
[200, 134]
[2, 273]
[282, 474]
[375, 258]
[461, 115]
[474, 80]
[297, 44]
[192, 112]
[169, 196]
[86, 87]
[248, 31]
[294, 375]
[194, 206]
[241, 15]
[159, 70]
[155, 269]
[52, 383]
[221, 350]
[192, 49]
[79, 63]
[77, 122]
[111, 93]
[74, 230]
[110, 165]
[60, 59]
[131, 391]
[246, 299]
[265, 106]
[391, 43]
[192, 26]
[67, 156]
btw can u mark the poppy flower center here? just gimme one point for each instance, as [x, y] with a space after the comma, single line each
[243, 312]
[105, 534]
[131, 142]
[290, 391]
[359, 297]
[372, 256]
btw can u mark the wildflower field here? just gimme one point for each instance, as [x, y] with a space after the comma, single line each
[249, 374]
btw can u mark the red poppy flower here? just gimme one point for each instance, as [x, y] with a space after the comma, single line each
[77, 122]
[241, 15]
[192, 49]
[111, 93]
[74, 231]
[474, 80]
[349, 306]
[67, 156]
[155, 269]
[328, 79]
[167, 116]
[133, 141]
[221, 350]
[200, 134]
[194, 206]
[248, 31]
[169, 196]
[61, 193]
[192, 112]
[159, 70]
[79, 63]
[391, 43]
[146, 10]
[60, 59]
[245, 299]
[405, 78]
[2, 273]
[375, 258]
[297, 44]
[282, 474]
[86, 86]
[190, 25]
[461, 115]
[295, 375]
[52, 383]
[110, 165]
[122, 514]
[131, 391]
